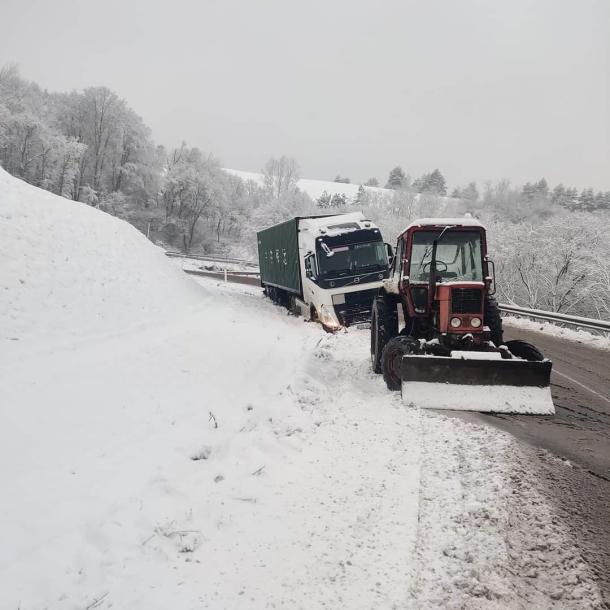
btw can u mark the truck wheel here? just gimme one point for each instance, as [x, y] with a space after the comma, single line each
[293, 308]
[525, 350]
[393, 352]
[384, 326]
[492, 318]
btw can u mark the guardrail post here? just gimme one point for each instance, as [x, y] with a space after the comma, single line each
[226, 279]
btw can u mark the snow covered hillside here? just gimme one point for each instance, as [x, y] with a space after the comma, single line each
[315, 188]
[172, 444]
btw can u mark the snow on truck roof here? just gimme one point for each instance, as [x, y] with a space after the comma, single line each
[464, 221]
[336, 224]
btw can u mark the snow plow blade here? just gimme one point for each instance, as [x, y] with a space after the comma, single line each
[477, 384]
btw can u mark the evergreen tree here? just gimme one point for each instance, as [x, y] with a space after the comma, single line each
[338, 200]
[362, 197]
[396, 178]
[372, 182]
[471, 193]
[323, 200]
[586, 201]
[436, 183]
[542, 188]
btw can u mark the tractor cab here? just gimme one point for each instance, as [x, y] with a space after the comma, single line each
[452, 332]
[441, 270]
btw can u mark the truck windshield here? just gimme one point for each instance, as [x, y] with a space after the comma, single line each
[458, 256]
[352, 259]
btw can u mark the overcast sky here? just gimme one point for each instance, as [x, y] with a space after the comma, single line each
[481, 89]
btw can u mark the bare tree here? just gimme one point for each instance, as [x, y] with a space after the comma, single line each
[281, 175]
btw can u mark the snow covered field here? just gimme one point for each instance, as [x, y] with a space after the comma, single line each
[315, 188]
[166, 443]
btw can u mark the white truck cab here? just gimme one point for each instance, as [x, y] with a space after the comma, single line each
[342, 261]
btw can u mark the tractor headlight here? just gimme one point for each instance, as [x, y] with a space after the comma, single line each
[455, 322]
[475, 322]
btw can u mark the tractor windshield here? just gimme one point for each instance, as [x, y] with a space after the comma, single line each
[458, 256]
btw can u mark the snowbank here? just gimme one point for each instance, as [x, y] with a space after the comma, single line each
[68, 270]
[569, 334]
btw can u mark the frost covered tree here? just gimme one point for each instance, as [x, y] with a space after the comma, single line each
[372, 182]
[555, 265]
[281, 175]
[341, 179]
[75, 144]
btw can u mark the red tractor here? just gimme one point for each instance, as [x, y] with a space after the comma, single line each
[436, 321]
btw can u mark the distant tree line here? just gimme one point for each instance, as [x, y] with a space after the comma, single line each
[90, 146]
[551, 246]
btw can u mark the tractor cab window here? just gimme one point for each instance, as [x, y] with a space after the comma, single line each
[458, 256]
[399, 256]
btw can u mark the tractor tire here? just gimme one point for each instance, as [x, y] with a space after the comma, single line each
[393, 352]
[384, 326]
[493, 319]
[527, 351]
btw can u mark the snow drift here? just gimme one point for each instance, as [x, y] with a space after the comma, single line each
[69, 270]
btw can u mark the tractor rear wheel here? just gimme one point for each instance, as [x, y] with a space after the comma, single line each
[525, 350]
[384, 326]
[493, 319]
[393, 352]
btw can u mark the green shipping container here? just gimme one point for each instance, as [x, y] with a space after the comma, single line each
[278, 256]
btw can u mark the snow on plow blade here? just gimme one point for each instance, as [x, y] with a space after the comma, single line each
[487, 385]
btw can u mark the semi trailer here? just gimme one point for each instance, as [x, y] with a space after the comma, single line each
[327, 268]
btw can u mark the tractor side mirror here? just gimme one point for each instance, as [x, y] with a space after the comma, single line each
[491, 279]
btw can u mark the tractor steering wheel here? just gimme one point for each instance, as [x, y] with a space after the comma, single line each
[426, 267]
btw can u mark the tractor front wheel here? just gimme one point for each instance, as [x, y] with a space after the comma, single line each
[384, 326]
[493, 319]
[525, 350]
[393, 352]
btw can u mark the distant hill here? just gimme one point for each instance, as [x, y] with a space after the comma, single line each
[315, 188]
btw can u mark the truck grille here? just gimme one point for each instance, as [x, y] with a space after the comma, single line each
[357, 307]
[466, 300]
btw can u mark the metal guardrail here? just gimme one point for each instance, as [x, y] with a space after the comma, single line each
[214, 259]
[538, 314]
[550, 316]
[239, 277]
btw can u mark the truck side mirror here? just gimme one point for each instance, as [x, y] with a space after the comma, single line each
[390, 254]
[310, 267]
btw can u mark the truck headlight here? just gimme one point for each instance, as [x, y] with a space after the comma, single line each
[475, 322]
[328, 319]
[455, 322]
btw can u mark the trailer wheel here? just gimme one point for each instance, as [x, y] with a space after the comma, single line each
[384, 326]
[393, 352]
[525, 350]
[492, 318]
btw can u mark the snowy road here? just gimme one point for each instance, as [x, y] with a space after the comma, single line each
[579, 433]
[166, 443]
